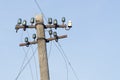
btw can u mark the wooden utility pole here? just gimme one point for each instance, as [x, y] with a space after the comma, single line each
[41, 39]
[43, 61]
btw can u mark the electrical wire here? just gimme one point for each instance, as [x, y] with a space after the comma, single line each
[31, 71]
[25, 65]
[29, 63]
[68, 61]
[35, 63]
[63, 58]
[33, 57]
[50, 50]
[26, 53]
[40, 9]
[36, 2]
[22, 63]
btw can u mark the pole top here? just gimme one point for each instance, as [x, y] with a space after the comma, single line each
[39, 18]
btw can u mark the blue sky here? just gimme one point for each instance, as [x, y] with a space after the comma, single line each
[92, 46]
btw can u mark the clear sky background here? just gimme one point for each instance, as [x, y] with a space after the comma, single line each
[92, 46]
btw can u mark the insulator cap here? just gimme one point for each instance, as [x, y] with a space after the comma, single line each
[32, 20]
[55, 22]
[26, 39]
[55, 34]
[63, 19]
[49, 20]
[34, 36]
[50, 32]
[19, 21]
[24, 23]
